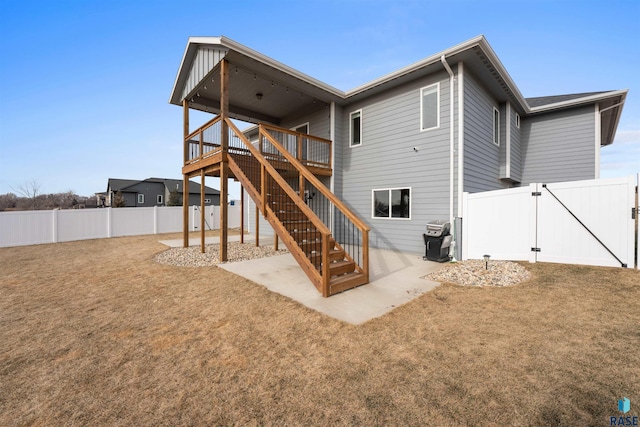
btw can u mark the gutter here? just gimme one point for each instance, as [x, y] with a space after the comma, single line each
[451, 133]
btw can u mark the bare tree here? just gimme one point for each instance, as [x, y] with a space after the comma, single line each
[30, 190]
[8, 201]
[119, 201]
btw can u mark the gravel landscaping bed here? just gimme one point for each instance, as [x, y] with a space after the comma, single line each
[473, 273]
[192, 257]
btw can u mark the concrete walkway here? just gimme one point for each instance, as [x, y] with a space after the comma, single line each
[395, 280]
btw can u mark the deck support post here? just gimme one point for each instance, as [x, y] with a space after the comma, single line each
[202, 220]
[185, 211]
[224, 143]
[241, 214]
[185, 184]
[257, 226]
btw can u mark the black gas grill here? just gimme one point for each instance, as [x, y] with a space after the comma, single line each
[437, 241]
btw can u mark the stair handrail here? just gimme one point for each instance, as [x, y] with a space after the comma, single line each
[320, 226]
[316, 182]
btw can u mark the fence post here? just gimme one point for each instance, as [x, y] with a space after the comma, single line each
[155, 220]
[109, 223]
[464, 236]
[533, 224]
[54, 217]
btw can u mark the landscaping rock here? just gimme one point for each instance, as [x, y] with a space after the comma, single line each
[192, 257]
[473, 273]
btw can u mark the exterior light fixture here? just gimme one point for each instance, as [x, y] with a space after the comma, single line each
[486, 261]
[259, 95]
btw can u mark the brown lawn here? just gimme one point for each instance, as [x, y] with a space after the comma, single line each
[95, 333]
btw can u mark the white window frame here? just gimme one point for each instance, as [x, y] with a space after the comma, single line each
[518, 120]
[207, 200]
[496, 126]
[390, 217]
[140, 198]
[159, 199]
[351, 144]
[422, 128]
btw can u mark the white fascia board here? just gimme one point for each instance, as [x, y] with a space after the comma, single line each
[579, 101]
[493, 58]
[191, 43]
[415, 66]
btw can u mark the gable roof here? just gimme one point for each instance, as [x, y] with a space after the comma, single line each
[124, 185]
[120, 184]
[256, 74]
[546, 100]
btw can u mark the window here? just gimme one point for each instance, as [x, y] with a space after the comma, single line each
[496, 126]
[430, 107]
[355, 128]
[392, 203]
[518, 120]
[207, 200]
[159, 199]
[141, 198]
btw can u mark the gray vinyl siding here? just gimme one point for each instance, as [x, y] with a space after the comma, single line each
[206, 59]
[516, 149]
[503, 139]
[509, 137]
[319, 124]
[481, 155]
[559, 146]
[386, 159]
[150, 190]
[194, 199]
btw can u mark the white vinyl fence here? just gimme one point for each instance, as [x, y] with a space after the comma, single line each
[37, 227]
[582, 222]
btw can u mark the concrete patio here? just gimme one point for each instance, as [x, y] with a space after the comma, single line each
[395, 280]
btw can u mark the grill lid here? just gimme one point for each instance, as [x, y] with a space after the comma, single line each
[438, 228]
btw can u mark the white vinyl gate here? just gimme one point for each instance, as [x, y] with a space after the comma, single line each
[581, 222]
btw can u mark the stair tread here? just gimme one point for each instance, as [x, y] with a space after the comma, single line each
[348, 281]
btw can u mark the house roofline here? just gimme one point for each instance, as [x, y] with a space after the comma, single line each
[480, 41]
[580, 101]
[229, 44]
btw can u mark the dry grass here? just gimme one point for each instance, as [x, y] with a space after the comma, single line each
[96, 333]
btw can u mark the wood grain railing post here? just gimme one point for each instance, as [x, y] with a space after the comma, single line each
[365, 253]
[325, 265]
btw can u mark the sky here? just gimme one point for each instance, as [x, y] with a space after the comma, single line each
[85, 85]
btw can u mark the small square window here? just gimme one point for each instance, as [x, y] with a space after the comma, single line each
[141, 198]
[355, 128]
[392, 203]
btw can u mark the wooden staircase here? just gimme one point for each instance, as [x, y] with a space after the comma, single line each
[330, 266]
[342, 270]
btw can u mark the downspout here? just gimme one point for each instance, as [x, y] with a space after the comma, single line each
[451, 150]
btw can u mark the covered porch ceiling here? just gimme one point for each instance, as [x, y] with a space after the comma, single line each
[259, 90]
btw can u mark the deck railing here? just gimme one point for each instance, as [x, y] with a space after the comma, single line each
[203, 142]
[309, 150]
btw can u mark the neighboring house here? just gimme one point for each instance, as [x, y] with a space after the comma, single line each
[156, 192]
[404, 147]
